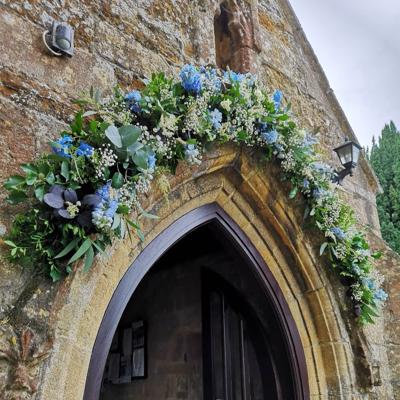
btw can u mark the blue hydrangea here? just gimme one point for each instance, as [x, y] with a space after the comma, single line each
[210, 79]
[151, 161]
[380, 295]
[321, 167]
[232, 76]
[270, 137]
[306, 183]
[216, 118]
[84, 149]
[309, 140]
[338, 233]
[133, 98]
[191, 79]
[277, 98]
[64, 142]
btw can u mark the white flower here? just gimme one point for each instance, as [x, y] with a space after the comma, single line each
[226, 104]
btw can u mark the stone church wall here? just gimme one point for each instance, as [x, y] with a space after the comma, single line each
[122, 42]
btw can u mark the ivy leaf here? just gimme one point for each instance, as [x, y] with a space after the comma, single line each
[65, 170]
[39, 192]
[88, 259]
[55, 274]
[50, 178]
[29, 169]
[67, 249]
[81, 251]
[113, 136]
[16, 197]
[13, 182]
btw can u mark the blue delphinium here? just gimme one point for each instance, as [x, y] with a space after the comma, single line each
[270, 137]
[64, 143]
[216, 118]
[151, 161]
[338, 232]
[191, 79]
[84, 149]
[133, 98]
[103, 214]
[277, 98]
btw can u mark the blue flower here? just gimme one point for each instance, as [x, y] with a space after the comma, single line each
[277, 98]
[380, 295]
[192, 154]
[309, 140]
[270, 137]
[210, 79]
[216, 118]
[103, 214]
[234, 76]
[338, 233]
[191, 79]
[369, 283]
[84, 149]
[319, 193]
[151, 161]
[133, 98]
[64, 143]
[306, 183]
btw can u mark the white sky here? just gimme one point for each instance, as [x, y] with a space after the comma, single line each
[358, 45]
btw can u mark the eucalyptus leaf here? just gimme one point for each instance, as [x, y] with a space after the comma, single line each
[39, 192]
[114, 136]
[14, 182]
[140, 159]
[129, 135]
[322, 248]
[16, 197]
[117, 180]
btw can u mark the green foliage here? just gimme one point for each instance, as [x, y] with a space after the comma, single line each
[385, 160]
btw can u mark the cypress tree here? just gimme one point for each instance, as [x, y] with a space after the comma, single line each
[385, 160]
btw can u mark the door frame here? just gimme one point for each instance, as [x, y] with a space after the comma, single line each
[154, 251]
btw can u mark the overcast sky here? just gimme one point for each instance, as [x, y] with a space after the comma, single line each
[358, 45]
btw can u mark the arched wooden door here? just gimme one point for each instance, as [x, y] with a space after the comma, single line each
[250, 361]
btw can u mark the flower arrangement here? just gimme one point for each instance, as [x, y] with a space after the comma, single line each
[87, 191]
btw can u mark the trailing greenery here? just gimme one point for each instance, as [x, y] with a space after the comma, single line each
[88, 190]
[385, 160]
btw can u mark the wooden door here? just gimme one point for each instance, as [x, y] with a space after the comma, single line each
[238, 364]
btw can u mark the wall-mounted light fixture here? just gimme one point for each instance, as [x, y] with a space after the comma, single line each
[59, 39]
[348, 154]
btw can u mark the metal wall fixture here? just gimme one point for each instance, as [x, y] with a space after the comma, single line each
[59, 39]
[348, 154]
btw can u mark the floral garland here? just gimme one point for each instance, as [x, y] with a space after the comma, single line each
[88, 190]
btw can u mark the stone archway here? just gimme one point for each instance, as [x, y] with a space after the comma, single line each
[142, 264]
[254, 199]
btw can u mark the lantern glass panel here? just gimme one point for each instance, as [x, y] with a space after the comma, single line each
[356, 153]
[345, 154]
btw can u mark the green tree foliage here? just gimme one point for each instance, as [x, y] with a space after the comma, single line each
[385, 159]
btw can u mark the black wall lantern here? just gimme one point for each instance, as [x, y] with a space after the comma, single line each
[59, 39]
[348, 154]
